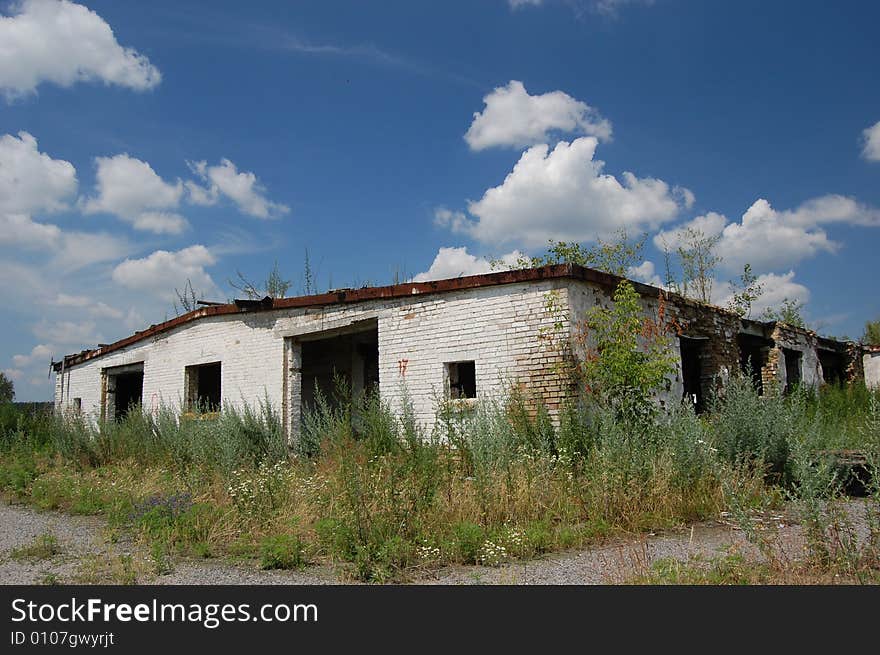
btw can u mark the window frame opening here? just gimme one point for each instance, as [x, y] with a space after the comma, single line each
[461, 379]
[123, 388]
[691, 353]
[203, 384]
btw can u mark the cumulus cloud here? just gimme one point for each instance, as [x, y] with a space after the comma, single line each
[775, 289]
[710, 225]
[68, 333]
[513, 118]
[871, 142]
[452, 220]
[97, 309]
[21, 230]
[131, 190]
[242, 188]
[63, 43]
[30, 180]
[564, 195]
[77, 250]
[163, 271]
[458, 262]
[645, 272]
[771, 239]
[39, 353]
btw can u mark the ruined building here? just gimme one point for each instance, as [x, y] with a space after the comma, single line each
[470, 337]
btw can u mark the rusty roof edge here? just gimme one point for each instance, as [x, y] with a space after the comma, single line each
[549, 272]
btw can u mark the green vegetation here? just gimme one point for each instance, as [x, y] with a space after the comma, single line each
[7, 389]
[872, 333]
[789, 312]
[380, 495]
[44, 546]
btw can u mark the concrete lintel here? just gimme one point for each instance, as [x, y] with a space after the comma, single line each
[321, 329]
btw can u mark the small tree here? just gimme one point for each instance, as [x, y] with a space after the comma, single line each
[275, 286]
[872, 333]
[748, 290]
[7, 389]
[789, 312]
[615, 256]
[629, 358]
[698, 260]
[187, 298]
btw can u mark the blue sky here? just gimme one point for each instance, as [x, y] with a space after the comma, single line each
[144, 144]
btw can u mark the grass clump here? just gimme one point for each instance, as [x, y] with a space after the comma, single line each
[44, 546]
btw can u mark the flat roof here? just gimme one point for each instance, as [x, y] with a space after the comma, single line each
[406, 290]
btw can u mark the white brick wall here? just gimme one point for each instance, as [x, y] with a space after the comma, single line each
[872, 370]
[497, 327]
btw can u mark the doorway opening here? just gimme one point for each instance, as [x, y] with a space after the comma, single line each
[692, 371]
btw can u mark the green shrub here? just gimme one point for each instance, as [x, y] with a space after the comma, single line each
[468, 539]
[283, 551]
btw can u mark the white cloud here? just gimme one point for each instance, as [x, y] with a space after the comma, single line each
[162, 272]
[770, 239]
[458, 262]
[775, 289]
[31, 181]
[514, 118]
[80, 249]
[161, 222]
[13, 374]
[20, 230]
[645, 272]
[97, 309]
[64, 43]
[68, 333]
[516, 4]
[564, 195]
[130, 189]
[612, 7]
[871, 142]
[710, 225]
[242, 188]
[452, 220]
[39, 353]
[833, 208]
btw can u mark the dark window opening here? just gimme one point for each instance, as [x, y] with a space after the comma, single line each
[462, 379]
[833, 367]
[753, 353]
[125, 389]
[792, 369]
[692, 371]
[203, 389]
[337, 368]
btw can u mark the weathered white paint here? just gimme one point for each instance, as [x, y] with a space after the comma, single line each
[497, 327]
[872, 369]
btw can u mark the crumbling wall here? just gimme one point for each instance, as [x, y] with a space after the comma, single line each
[855, 362]
[802, 341]
[719, 356]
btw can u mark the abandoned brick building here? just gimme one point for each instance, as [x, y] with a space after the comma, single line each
[469, 336]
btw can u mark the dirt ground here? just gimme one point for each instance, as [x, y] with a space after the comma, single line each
[89, 553]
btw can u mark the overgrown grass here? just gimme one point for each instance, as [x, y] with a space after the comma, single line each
[381, 495]
[44, 546]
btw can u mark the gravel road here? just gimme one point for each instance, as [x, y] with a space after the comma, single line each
[89, 553]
